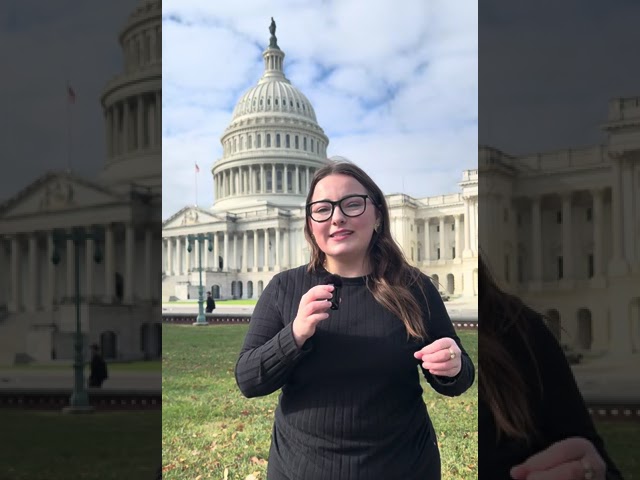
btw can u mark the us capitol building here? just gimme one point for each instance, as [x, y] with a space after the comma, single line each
[119, 296]
[271, 150]
[562, 230]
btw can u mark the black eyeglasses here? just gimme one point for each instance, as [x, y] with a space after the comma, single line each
[351, 206]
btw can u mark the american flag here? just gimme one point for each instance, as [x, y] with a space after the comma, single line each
[197, 168]
[71, 95]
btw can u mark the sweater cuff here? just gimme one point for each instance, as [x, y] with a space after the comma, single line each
[287, 347]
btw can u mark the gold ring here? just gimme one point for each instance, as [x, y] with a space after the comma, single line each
[588, 469]
[452, 354]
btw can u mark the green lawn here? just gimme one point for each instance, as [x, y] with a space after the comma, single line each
[97, 446]
[621, 441]
[141, 366]
[210, 429]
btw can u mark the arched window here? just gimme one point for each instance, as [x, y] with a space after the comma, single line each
[277, 140]
[268, 140]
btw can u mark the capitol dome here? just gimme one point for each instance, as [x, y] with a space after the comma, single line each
[273, 145]
[132, 104]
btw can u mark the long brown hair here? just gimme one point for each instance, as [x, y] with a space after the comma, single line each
[391, 277]
[501, 383]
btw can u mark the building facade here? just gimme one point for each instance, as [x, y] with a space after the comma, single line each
[562, 230]
[119, 296]
[271, 149]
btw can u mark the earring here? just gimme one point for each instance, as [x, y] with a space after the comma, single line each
[376, 227]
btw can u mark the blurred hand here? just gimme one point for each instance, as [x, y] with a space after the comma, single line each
[572, 458]
[442, 357]
[312, 310]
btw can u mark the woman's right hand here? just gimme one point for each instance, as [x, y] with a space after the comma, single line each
[312, 310]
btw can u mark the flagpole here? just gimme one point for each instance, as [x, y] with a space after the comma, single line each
[196, 181]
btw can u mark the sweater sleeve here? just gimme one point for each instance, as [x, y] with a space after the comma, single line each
[565, 413]
[438, 325]
[269, 353]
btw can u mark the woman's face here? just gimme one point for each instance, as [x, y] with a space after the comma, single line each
[343, 239]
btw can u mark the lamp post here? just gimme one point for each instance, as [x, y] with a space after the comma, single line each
[79, 401]
[201, 319]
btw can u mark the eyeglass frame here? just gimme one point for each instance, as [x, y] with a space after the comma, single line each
[338, 203]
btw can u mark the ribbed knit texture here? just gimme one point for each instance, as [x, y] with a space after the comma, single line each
[557, 407]
[351, 405]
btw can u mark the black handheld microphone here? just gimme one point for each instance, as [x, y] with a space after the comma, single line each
[336, 281]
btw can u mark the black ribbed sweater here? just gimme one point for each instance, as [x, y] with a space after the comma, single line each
[351, 403]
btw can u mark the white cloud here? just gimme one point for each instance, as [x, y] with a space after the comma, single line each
[394, 85]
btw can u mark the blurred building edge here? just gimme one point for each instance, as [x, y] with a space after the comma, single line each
[561, 229]
[120, 295]
[271, 150]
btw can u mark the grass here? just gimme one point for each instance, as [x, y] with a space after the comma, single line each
[211, 431]
[98, 446]
[141, 366]
[621, 441]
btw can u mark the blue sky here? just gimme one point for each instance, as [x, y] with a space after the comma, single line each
[394, 85]
[44, 45]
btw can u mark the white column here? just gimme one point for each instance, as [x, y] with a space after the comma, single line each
[150, 273]
[205, 255]
[169, 255]
[427, 242]
[286, 262]
[467, 252]
[158, 118]
[177, 249]
[109, 259]
[51, 274]
[536, 232]
[567, 240]
[597, 232]
[89, 249]
[151, 120]
[14, 304]
[443, 246]
[125, 126]
[235, 251]
[475, 225]
[188, 255]
[216, 252]
[273, 178]
[277, 265]
[245, 248]
[618, 264]
[129, 258]
[255, 250]
[628, 224]
[456, 227]
[226, 252]
[263, 180]
[306, 185]
[139, 121]
[34, 281]
[285, 183]
[266, 250]
[296, 181]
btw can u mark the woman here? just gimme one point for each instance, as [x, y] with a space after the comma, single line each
[351, 404]
[532, 420]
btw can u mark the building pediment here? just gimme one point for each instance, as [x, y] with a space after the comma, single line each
[57, 192]
[192, 216]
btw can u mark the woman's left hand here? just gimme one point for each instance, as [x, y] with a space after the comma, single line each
[572, 458]
[442, 357]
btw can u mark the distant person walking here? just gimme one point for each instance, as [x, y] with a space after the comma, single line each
[211, 304]
[98, 368]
